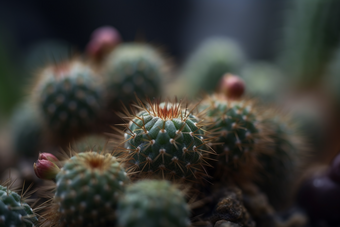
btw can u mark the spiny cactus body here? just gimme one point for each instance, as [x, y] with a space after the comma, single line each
[152, 203]
[27, 131]
[237, 126]
[14, 211]
[133, 68]
[209, 63]
[166, 139]
[88, 187]
[68, 96]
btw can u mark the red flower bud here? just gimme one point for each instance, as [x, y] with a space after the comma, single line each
[48, 156]
[103, 40]
[45, 169]
[232, 86]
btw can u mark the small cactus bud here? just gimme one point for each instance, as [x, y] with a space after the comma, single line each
[45, 169]
[103, 40]
[232, 86]
[48, 156]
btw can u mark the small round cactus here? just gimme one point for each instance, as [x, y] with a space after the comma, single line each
[168, 140]
[88, 187]
[206, 66]
[14, 211]
[68, 96]
[133, 68]
[238, 128]
[153, 203]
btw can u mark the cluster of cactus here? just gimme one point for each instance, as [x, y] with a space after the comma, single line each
[225, 138]
[14, 211]
[93, 189]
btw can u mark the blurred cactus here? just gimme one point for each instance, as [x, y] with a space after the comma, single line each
[265, 81]
[239, 132]
[152, 203]
[26, 131]
[68, 96]
[88, 187]
[133, 68]
[310, 39]
[206, 66]
[14, 211]
[166, 139]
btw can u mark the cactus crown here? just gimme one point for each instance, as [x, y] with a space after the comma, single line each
[165, 138]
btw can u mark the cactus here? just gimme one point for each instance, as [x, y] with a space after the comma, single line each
[266, 80]
[206, 66]
[280, 161]
[166, 139]
[68, 97]
[311, 37]
[237, 125]
[153, 203]
[88, 187]
[14, 211]
[133, 68]
[27, 131]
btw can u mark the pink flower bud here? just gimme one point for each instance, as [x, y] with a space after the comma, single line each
[232, 86]
[45, 169]
[103, 40]
[48, 156]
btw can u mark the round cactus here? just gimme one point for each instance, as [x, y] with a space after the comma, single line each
[167, 140]
[68, 96]
[153, 203]
[14, 211]
[88, 187]
[133, 68]
[238, 129]
[206, 66]
[27, 131]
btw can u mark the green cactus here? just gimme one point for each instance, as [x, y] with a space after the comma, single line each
[133, 68]
[311, 37]
[88, 187]
[166, 140]
[27, 131]
[239, 131]
[14, 211]
[153, 203]
[206, 66]
[68, 96]
[280, 161]
[266, 80]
